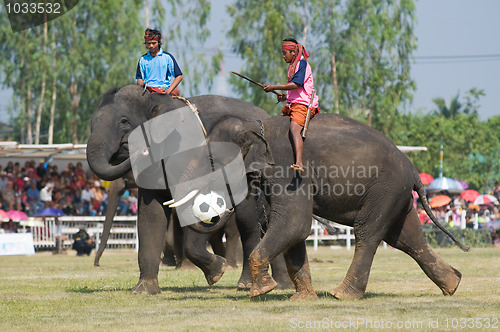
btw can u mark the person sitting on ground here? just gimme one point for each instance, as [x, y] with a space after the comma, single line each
[157, 69]
[83, 243]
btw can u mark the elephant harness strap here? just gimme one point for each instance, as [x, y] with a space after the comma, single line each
[195, 111]
[259, 198]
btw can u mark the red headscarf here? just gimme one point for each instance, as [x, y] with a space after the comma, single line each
[150, 36]
[300, 52]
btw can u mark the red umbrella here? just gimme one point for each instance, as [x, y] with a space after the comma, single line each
[426, 178]
[470, 195]
[17, 215]
[4, 215]
[439, 200]
[484, 199]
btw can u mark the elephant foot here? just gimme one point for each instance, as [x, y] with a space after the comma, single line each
[245, 282]
[304, 296]
[146, 287]
[342, 293]
[217, 270]
[168, 261]
[244, 286]
[265, 285]
[452, 283]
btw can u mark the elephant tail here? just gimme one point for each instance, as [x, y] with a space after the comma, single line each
[419, 188]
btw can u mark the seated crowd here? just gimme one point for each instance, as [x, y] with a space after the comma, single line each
[71, 190]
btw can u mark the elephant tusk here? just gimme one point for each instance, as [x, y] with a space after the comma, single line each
[169, 202]
[185, 199]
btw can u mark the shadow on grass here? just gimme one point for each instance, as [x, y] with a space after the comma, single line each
[195, 292]
[175, 289]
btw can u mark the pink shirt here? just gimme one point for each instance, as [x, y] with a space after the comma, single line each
[304, 78]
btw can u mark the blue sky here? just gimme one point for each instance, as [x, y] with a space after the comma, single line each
[458, 28]
[445, 28]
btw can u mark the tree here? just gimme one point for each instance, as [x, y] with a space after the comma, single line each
[456, 106]
[79, 60]
[187, 29]
[471, 146]
[59, 70]
[360, 52]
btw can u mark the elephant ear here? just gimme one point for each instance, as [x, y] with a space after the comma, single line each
[256, 152]
[155, 111]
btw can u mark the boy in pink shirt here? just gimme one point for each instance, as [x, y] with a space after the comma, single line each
[300, 88]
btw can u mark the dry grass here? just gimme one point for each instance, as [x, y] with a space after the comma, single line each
[64, 292]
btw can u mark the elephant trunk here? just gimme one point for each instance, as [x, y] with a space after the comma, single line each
[116, 189]
[99, 159]
[205, 228]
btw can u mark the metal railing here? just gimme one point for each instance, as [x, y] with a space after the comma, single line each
[123, 233]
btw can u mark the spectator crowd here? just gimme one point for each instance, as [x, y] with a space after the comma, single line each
[74, 191]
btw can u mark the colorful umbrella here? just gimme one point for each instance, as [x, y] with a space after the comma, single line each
[426, 178]
[470, 195]
[3, 215]
[462, 183]
[484, 199]
[439, 200]
[445, 184]
[49, 212]
[17, 215]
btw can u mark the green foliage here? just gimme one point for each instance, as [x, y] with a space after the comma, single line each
[471, 147]
[188, 28]
[360, 52]
[475, 238]
[87, 51]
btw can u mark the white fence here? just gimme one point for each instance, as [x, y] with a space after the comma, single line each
[344, 233]
[123, 233]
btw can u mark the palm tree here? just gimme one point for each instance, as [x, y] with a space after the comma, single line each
[445, 111]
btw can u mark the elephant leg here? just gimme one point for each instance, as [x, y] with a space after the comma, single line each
[178, 241]
[280, 273]
[216, 243]
[248, 227]
[407, 236]
[233, 244]
[286, 230]
[213, 266]
[300, 272]
[151, 227]
[370, 227]
[168, 258]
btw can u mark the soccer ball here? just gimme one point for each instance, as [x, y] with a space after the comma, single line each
[209, 207]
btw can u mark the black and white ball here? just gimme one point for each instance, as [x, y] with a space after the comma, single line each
[208, 207]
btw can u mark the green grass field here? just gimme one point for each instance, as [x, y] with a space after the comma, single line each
[48, 292]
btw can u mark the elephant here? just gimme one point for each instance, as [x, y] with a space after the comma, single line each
[172, 249]
[118, 113]
[355, 176]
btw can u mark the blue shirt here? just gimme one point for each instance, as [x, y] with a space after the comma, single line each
[158, 71]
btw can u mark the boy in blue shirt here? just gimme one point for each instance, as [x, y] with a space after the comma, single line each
[158, 69]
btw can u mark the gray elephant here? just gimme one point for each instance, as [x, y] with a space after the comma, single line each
[354, 176]
[173, 246]
[122, 110]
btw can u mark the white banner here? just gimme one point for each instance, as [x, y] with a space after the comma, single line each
[16, 244]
